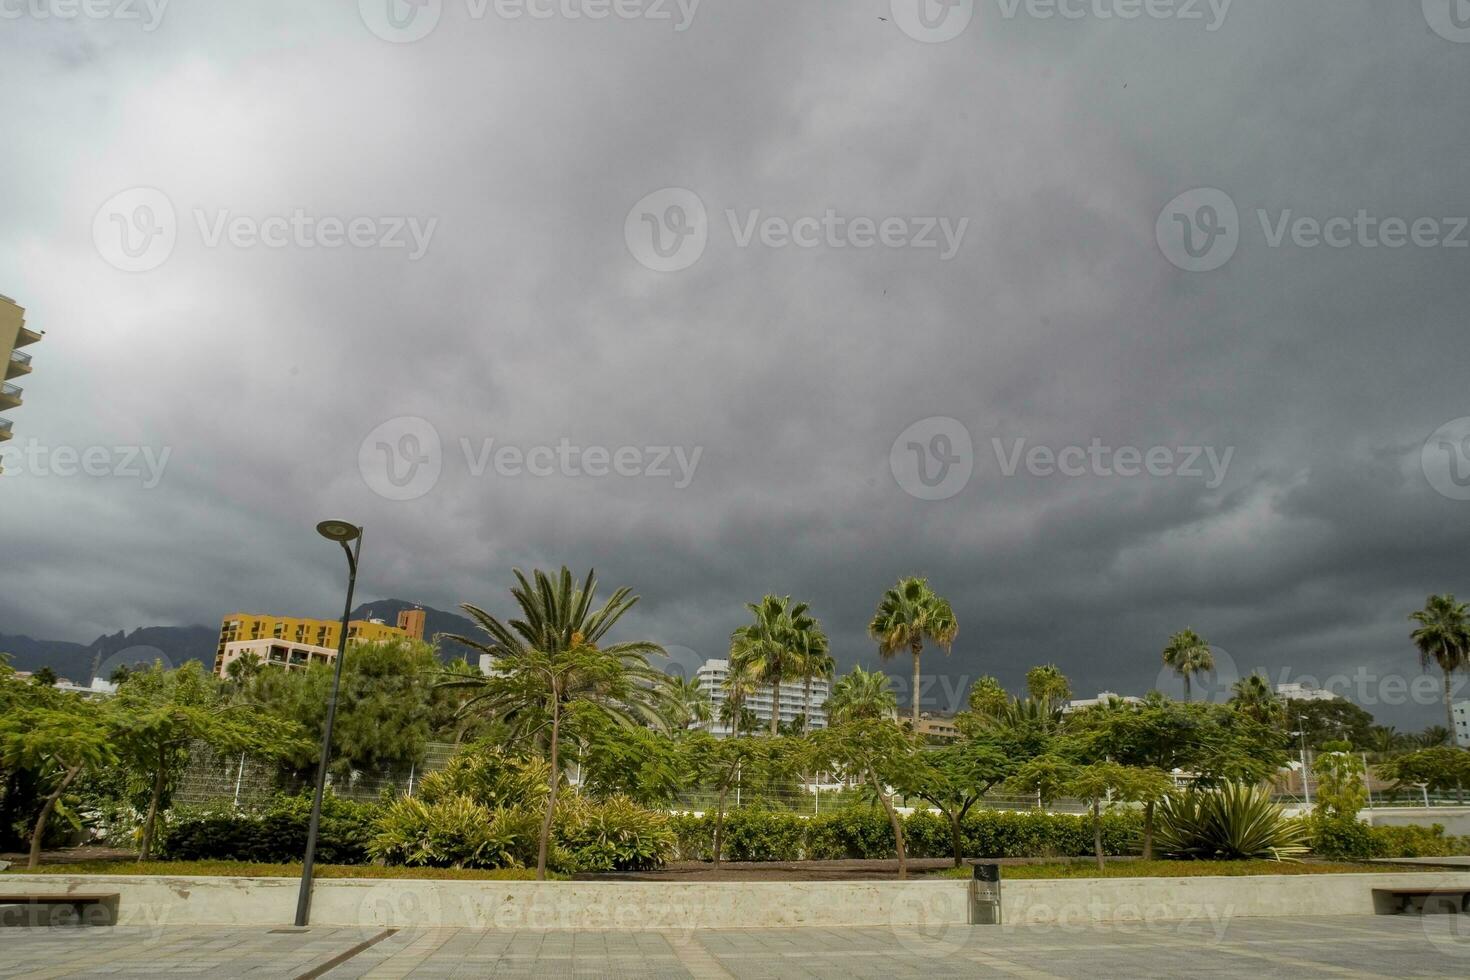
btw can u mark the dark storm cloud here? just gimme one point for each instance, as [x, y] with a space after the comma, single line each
[528, 321]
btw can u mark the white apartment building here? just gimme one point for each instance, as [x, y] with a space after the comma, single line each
[712, 679]
[1103, 697]
[1461, 711]
[1300, 692]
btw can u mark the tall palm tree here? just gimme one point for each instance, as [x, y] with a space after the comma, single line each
[1188, 654]
[910, 613]
[740, 685]
[816, 661]
[554, 659]
[771, 647]
[861, 695]
[1433, 737]
[1443, 638]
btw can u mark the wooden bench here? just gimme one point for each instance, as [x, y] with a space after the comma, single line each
[90, 908]
[1395, 901]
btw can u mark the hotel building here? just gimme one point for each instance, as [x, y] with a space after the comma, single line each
[294, 643]
[14, 362]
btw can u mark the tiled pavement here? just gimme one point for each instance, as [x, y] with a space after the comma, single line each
[1340, 946]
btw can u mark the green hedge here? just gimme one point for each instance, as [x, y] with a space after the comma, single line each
[756, 835]
[1352, 840]
[276, 834]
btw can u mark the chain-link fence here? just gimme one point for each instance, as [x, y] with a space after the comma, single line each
[246, 781]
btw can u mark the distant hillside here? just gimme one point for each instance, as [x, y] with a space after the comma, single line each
[178, 644]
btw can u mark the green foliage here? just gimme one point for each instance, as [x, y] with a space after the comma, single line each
[615, 834]
[1348, 839]
[908, 615]
[1340, 789]
[781, 644]
[865, 833]
[383, 710]
[861, 695]
[455, 832]
[1231, 821]
[1441, 769]
[1189, 655]
[276, 833]
[1330, 721]
[645, 765]
[1048, 685]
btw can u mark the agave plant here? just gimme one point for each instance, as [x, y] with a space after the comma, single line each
[1233, 821]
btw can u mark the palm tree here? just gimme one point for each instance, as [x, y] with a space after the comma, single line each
[910, 613]
[1252, 696]
[816, 661]
[1188, 654]
[688, 701]
[553, 660]
[861, 695]
[1433, 737]
[740, 685]
[773, 645]
[1443, 637]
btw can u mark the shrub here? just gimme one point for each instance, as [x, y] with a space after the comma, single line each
[1233, 821]
[1342, 838]
[1349, 839]
[274, 835]
[614, 834]
[760, 835]
[455, 832]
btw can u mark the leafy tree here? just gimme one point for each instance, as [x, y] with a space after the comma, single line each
[955, 777]
[44, 677]
[165, 711]
[1329, 721]
[1108, 781]
[909, 614]
[721, 763]
[1188, 654]
[1048, 776]
[1442, 637]
[56, 737]
[383, 707]
[555, 660]
[645, 765]
[1440, 769]
[1340, 790]
[874, 750]
[1433, 737]
[861, 695]
[1048, 685]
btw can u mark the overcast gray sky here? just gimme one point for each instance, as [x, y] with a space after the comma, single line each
[321, 265]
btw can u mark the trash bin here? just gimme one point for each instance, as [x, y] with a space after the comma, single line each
[985, 895]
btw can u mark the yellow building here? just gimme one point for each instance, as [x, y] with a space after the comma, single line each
[313, 640]
[14, 363]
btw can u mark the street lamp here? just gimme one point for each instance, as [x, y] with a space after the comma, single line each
[341, 532]
[1306, 786]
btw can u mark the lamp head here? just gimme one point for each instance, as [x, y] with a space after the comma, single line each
[340, 531]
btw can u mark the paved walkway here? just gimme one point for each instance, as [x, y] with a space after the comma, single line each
[1340, 946]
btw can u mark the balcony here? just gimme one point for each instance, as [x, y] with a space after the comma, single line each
[9, 395]
[27, 336]
[4, 429]
[20, 363]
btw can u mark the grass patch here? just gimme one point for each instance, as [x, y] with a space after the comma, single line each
[1181, 869]
[243, 869]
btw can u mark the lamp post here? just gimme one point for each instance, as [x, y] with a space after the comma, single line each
[341, 532]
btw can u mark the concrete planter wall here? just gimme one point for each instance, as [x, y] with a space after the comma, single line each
[376, 904]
